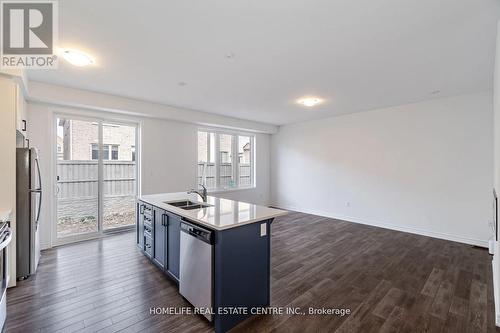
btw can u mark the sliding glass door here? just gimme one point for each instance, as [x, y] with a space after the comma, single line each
[96, 177]
[119, 180]
[77, 179]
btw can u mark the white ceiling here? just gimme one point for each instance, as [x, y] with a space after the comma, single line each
[358, 55]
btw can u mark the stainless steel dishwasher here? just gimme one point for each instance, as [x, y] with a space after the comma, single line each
[196, 262]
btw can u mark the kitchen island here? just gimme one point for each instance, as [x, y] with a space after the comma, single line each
[218, 251]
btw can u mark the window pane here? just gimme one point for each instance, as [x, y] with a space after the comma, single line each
[77, 177]
[95, 151]
[105, 153]
[119, 183]
[245, 162]
[114, 152]
[206, 159]
[226, 161]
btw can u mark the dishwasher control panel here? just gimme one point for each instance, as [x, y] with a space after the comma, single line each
[198, 232]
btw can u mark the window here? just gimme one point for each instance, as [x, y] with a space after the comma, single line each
[245, 161]
[96, 177]
[95, 151]
[114, 152]
[108, 150]
[225, 160]
[206, 159]
[226, 174]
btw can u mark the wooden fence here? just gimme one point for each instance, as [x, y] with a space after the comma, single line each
[226, 174]
[78, 179]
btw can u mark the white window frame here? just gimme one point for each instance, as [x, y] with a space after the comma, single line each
[77, 114]
[234, 159]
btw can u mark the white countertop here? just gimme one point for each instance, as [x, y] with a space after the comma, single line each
[222, 214]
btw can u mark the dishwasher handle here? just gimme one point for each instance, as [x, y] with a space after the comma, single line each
[202, 234]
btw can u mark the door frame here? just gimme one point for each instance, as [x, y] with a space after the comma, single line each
[56, 241]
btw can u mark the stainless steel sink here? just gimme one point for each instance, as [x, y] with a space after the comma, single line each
[181, 203]
[198, 206]
[187, 204]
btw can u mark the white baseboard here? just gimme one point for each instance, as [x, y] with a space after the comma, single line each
[495, 291]
[45, 246]
[428, 233]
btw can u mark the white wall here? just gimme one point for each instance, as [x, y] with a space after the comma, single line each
[40, 123]
[425, 167]
[45, 93]
[168, 155]
[8, 162]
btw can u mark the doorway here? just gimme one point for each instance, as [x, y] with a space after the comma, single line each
[96, 177]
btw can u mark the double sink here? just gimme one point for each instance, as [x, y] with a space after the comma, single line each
[187, 204]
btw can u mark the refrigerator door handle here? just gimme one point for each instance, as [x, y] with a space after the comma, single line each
[7, 240]
[39, 190]
[39, 208]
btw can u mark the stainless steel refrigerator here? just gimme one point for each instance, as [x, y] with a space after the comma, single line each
[28, 205]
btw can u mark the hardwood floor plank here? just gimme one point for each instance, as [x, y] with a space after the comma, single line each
[394, 321]
[385, 307]
[477, 307]
[432, 284]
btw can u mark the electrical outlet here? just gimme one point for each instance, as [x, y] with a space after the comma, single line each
[348, 204]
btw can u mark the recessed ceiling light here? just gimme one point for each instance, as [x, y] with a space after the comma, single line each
[182, 84]
[77, 58]
[309, 101]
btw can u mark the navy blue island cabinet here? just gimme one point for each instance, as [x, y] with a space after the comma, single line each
[242, 273]
[241, 261]
[166, 242]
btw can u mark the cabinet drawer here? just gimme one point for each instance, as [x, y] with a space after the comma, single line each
[148, 210]
[148, 245]
[148, 230]
[148, 220]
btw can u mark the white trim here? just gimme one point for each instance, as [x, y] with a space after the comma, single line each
[416, 231]
[100, 176]
[235, 189]
[225, 131]
[495, 291]
[216, 159]
[53, 180]
[234, 158]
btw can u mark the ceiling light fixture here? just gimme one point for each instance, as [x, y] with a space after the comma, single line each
[77, 58]
[309, 101]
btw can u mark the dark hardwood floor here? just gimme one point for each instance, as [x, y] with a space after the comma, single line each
[391, 281]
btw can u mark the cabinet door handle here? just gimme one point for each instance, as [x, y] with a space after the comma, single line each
[163, 223]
